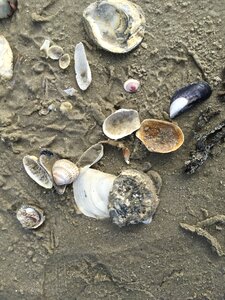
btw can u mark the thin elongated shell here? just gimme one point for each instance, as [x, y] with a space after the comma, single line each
[121, 123]
[64, 172]
[37, 172]
[64, 61]
[91, 156]
[91, 191]
[6, 59]
[82, 69]
[55, 52]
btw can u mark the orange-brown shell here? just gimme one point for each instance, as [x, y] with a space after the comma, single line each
[160, 136]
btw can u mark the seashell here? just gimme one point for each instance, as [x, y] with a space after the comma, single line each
[6, 59]
[91, 156]
[64, 61]
[70, 92]
[37, 172]
[115, 25]
[121, 123]
[64, 172]
[30, 217]
[55, 52]
[45, 46]
[186, 97]
[7, 8]
[133, 198]
[82, 69]
[160, 136]
[131, 85]
[91, 191]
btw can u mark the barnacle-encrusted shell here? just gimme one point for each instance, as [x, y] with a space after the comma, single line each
[64, 172]
[133, 198]
[160, 136]
[30, 217]
[55, 52]
[64, 61]
[121, 123]
[6, 10]
[6, 59]
[115, 25]
[91, 191]
[37, 172]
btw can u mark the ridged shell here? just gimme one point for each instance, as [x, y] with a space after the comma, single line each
[91, 191]
[37, 172]
[55, 52]
[186, 97]
[160, 136]
[64, 172]
[6, 10]
[6, 59]
[64, 61]
[115, 25]
[131, 85]
[30, 217]
[121, 123]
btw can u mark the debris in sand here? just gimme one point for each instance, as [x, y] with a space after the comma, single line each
[7, 8]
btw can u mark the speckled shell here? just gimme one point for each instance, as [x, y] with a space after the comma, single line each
[55, 52]
[160, 136]
[64, 172]
[115, 25]
[30, 217]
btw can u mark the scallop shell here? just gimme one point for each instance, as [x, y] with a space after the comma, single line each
[82, 69]
[91, 191]
[115, 25]
[160, 136]
[131, 85]
[121, 123]
[30, 217]
[64, 172]
[6, 59]
[55, 52]
[37, 172]
[186, 97]
[91, 156]
[64, 61]
[7, 8]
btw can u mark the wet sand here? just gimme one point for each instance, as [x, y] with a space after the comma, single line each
[75, 257]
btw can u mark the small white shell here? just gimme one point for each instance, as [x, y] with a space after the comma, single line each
[70, 92]
[82, 69]
[6, 59]
[64, 172]
[91, 191]
[64, 61]
[30, 217]
[37, 172]
[121, 123]
[55, 52]
[91, 156]
[131, 85]
[45, 46]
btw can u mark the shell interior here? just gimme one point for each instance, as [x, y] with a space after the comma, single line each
[30, 217]
[6, 59]
[64, 61]
[91, 156]
[55, 52]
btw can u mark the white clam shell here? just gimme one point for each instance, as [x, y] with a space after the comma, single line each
[55, 52]
[64, 61]
[91, 191]
[131, 85]
[121, 123]
[37, 172]
[82, 68]
[6, 59]
[64, 172]
[91, 156]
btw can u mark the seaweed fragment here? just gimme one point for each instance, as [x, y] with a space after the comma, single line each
[204, 146]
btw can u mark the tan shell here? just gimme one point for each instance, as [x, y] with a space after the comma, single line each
[64, 172]
[160, 136]
[64, 61]
[121, 123]
[55, 52]
[115, 25]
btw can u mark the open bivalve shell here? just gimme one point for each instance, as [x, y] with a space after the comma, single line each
[115, 25]
[121, 123]
[160, 136]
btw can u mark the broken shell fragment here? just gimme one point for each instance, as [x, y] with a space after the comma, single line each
[133, 198]
[37, 172]
[91, 191]
[121, 123]
[30, 217]
[160, 136]
[6, 59]
[45, 46]
[64, 61]
[131, 85]
[7, 8]
[64, 172]
[82, 69]
[115, 25]
[55, 52]
[186, 97]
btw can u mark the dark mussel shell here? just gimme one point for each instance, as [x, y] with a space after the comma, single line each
[186, 97]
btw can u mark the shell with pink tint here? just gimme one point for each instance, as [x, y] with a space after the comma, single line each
[64, 172]
[131, 85]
